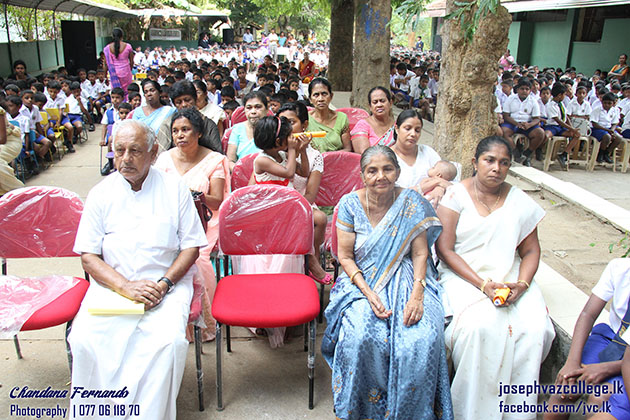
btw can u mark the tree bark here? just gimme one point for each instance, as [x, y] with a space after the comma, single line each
[371, 49]
[466, 102]
[341, 39]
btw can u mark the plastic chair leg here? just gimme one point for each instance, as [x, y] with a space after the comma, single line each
[321, 304]
[312, 334]
[199, 368]
[306, 337]
[219, 373]
[228, 339]
[594, 153]
[17, 347]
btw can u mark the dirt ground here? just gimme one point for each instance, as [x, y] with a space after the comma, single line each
[574, 243]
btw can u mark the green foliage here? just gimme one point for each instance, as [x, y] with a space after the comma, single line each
[400, 30]
[23, 20]
[623, 244]
[470, 14]
[409, 11]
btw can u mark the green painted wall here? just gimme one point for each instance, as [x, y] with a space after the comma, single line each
[27, 51]
[588, 56]
[551, 41]
[520, 41]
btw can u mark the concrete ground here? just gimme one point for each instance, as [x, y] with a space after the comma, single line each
[259, 382]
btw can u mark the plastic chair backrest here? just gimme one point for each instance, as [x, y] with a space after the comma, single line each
[67, 108]
[265, 219]
[238, 116]
[354, 115]
[44, 117]
[342, 174]
[54, 114]
[243, 171]
[39, 222]
[225, 140]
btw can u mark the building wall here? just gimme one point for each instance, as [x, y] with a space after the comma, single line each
[27, 51]
[551, 41]
[588, 56]
[550, 44]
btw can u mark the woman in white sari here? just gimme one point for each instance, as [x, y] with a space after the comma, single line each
[489, 242]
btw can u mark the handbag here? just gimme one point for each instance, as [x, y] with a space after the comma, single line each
[205, 214]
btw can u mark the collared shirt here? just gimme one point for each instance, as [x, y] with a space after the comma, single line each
[73, 104]
[555, 110]
[89, 90]
[139, 233]
[32, 115]
[605, 118]
[59, 102]
[580, 109]
[522, 111]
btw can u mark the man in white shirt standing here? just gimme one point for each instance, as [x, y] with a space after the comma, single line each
[273, 45]
[248, 38]
[139, 237]
[521, 115]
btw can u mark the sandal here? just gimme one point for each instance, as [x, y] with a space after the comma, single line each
[326, 280]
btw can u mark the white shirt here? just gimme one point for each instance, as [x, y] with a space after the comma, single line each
[543, 109]
[59, 103]
[522, 111]
[625, 110]
[605, 118]
[580, 109]
[89, 90]
[553, 110]
[410, 176]
[23, 121]
[248, 37]
[613, 284]
[32, 115]
[102, 87]
[73, 104]
[403, 85]
[433, 87]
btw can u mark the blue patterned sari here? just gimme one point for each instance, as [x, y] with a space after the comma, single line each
[381, 368]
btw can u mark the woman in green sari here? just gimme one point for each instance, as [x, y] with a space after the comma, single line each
[322, 118]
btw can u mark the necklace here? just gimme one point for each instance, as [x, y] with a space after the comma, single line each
[490, 209]
[367, 202]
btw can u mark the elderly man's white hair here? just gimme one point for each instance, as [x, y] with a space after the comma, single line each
[147, 131]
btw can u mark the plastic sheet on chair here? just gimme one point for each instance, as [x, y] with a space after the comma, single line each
[354, 115]
[265, 219]
[20, 298]
[342, 174]
[39, 222]
[243, 171]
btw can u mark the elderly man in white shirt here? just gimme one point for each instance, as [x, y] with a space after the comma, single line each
[521, 115]
[139, 237]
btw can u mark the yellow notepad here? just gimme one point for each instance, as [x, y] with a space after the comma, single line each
[115, 304]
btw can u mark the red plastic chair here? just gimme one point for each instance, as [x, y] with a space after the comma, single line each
[354, 115]
[238, 116]
[225, 140]
[266, 219]
[342, 174]
[243, 171]
[42, 222]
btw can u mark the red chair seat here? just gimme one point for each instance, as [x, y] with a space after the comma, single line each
[265, 300]
[60, 310]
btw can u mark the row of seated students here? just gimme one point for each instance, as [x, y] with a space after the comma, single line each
[545, 105]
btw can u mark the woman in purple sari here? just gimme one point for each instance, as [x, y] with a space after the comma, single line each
[119, 61]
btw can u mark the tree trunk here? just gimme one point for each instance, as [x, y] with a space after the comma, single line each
[371, 49]
[466, 102]
[341, 38]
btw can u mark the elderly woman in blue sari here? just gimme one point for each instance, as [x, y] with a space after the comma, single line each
[384, 340]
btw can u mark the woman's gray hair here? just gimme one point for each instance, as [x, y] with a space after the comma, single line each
[148, 131]
[372, 151]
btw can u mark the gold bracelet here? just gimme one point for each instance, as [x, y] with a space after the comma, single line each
[523, 281]
[422, 281]
[354, 274]
[484, 284]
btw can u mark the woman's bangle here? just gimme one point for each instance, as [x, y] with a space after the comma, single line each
[523, 281]
[354, 274]
[483, 285]
[422, 281]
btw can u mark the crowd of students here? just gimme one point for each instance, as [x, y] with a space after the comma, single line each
[551, 102]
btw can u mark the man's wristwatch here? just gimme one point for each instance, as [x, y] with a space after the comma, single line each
[169, 283]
